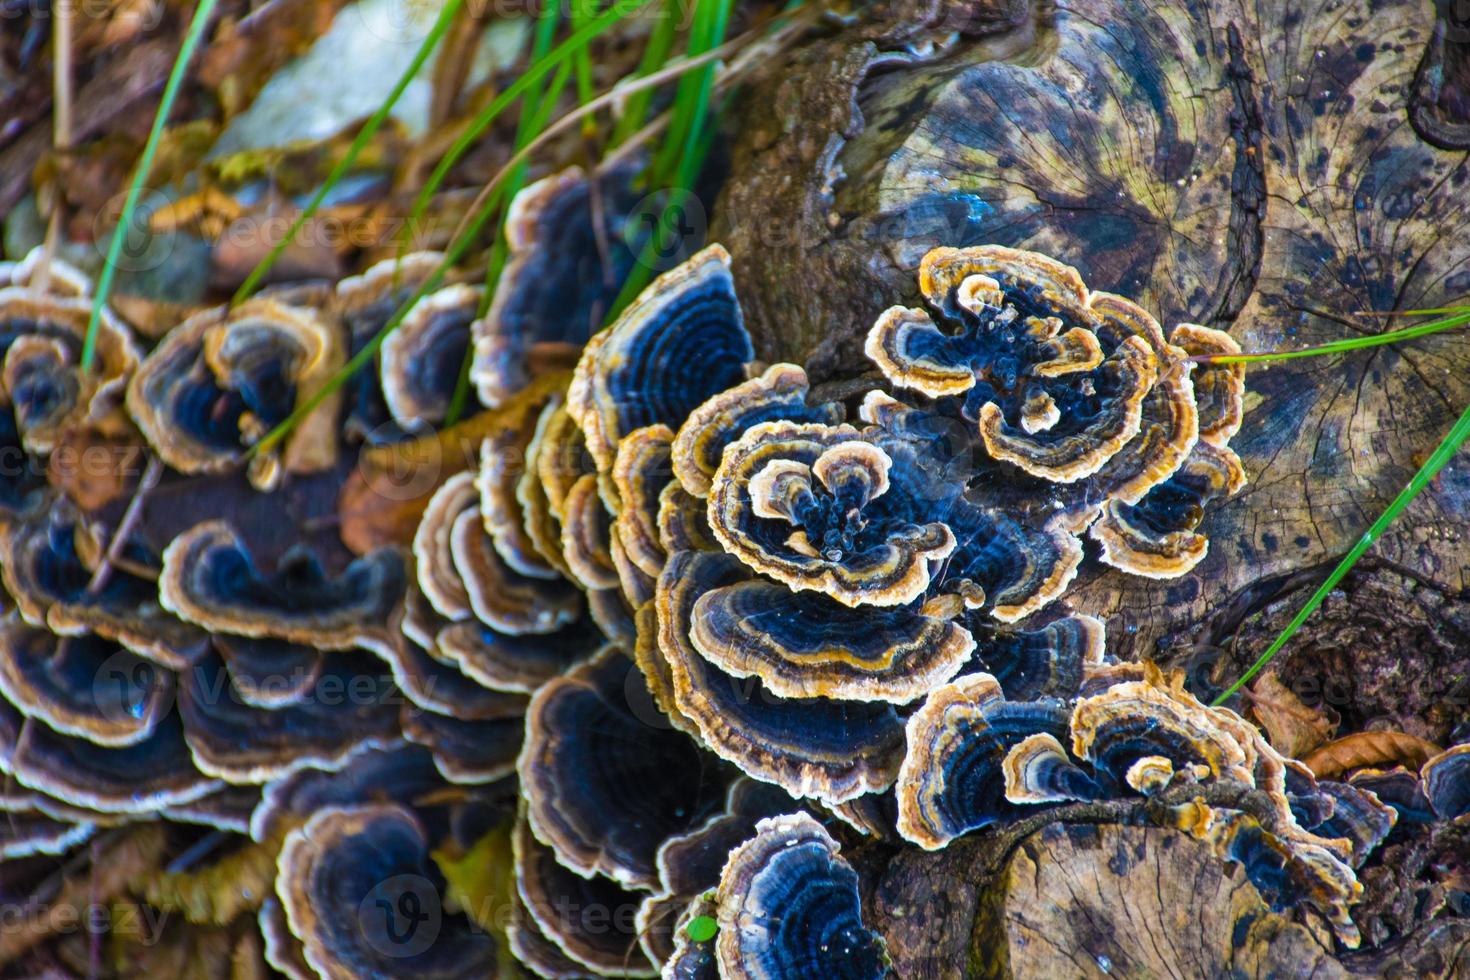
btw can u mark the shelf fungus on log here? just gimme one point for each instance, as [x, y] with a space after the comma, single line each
[50, 565]
[396, 772]
[1446, 782]
[809, 505]
[419, 361]
[807, 575]
[681, 341]
[42, 387]
[590, 920]
[219, 382]
[211, 579]
[563, 275]
[689, 864]
[365, 303]
[141, 777]
[1140, 737]
[824, 748]
[804, 645]
[780, 393]
[1046, 661]
[516, 510]
[605, 786]
[350, 709]
[268, 673]
[467, 753]
[788, 906]
[953, 778]
[85, 686]
[433, 548]
[228, 808]
[361, 894]
[1079, 390]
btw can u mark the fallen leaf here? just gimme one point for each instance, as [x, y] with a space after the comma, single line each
[222, 890]
[1377, 749]
[1292, 728]
[116, 863]
[152, 317]
[385, 495]
[97, 464]
[482, 885]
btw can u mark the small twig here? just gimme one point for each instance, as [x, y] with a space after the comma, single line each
[61, 126]
[110, 559]
[199, 849]
[94, 943]
[134, 568]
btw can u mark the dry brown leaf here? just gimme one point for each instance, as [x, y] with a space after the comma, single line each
[384, 497]
[1377, 749]
[97, 464]
[116, 862]
[152, 317]
[218, 892]
[1292, 728]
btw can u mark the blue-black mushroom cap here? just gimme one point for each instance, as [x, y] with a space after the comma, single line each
[1446, 781]
[589, 919]
[681, 341]
[210, 578]
[689, 864]
[805, 645]
[1046, 661]
[217, 383]
[361, 893]
[397, 772]
[606, 784]
[419, 362]
[145, 776]
[365, 303]
[953, 775]
[812, 747]
[42, 389]
[562, 276]
[466, 752]
[351, 706]
[85, 686]
[1052, 390]
[49, 564]
[788, 906]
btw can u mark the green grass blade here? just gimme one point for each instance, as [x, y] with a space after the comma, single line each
[582, 10]
[1460, 317]
[1436, 462]
[655, 55]
[359, 143]
[578, 40]
[691, 95]
[681, 155]
[535, 122]
[202, 15]
[691, 160]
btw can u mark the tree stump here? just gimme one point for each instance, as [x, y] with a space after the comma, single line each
[1100, 901]
[1250, 166]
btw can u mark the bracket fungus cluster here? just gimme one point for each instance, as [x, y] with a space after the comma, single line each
[676, 624]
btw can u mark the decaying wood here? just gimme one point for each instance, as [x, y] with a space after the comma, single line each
[1090, 901]
[1247, 166]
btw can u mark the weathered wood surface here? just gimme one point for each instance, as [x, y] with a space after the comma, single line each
[1099, 901]
[1079, 898]
[1250, 166]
